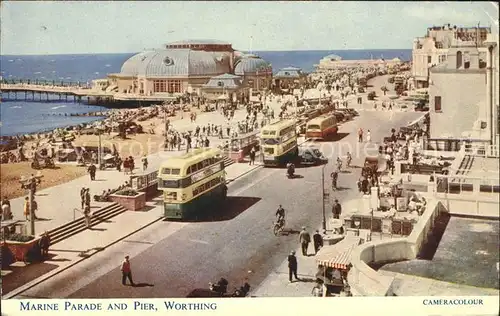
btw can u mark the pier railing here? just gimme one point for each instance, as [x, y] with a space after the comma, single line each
[38, 82]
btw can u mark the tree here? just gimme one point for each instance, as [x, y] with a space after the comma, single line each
[384, 89]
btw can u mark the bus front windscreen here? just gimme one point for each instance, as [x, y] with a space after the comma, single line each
[271, 141]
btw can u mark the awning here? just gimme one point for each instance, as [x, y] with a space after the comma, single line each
[338, 256]
[417, 121]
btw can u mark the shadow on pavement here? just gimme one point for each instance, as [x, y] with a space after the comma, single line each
[287, 232]
[338, 137]
[142, 285]
[234, 206]
[19, 276]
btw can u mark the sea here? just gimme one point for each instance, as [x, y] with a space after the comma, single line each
[24, 117]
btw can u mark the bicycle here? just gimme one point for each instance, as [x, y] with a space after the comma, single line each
[278, 227]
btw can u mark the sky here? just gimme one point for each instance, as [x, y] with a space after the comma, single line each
[45, 27]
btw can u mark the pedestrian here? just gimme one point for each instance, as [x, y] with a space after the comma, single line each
[292, 266]
[368, 136]
[86, 214]
[360, 135]
[6, 212]
[92, 170]
[144, 163]
[317, 241]
[27, 209]
[126, 271]
[252, 156]
[336, 209]
[44, 244]
[82, 197]
[131, 164]
[305, 239]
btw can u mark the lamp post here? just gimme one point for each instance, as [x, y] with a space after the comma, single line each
[99, 131]
[29, 183]
[324, 196]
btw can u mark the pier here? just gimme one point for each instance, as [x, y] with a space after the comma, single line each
[40, 92]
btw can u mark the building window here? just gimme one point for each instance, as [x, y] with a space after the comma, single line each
[437, 103]
[429, 59]
[170, 86]
[459, 59]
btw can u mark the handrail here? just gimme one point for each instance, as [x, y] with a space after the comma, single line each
[74, 213]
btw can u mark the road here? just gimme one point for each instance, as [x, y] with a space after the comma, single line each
[170, 259]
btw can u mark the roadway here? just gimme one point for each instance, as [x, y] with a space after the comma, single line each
[170, 259]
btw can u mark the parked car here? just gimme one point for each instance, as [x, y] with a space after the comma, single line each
[340, 116]
[421, 106]
[311, 156]
[347, 114]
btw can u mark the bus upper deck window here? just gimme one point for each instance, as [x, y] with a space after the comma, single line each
[176, 171]
[165, 171]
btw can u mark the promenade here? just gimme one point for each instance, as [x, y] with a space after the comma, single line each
[61, 204]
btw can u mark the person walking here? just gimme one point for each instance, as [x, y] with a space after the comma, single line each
[368, 136]
[305, 239]
[317, 241]
[82, 196]
[27, 209]
[126, 271]
[292, 266]
[131, 164]
[360, 135]
[144, 163]
[252, 156]
[44, 244]
[92, 170]
[336, 209]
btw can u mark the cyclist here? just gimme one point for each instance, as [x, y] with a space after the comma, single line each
[280, 215]
[349, 159]
[339, 164]
[334, 175]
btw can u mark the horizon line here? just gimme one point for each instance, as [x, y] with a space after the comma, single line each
[245, 51]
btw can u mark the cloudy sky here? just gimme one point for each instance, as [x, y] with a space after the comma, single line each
[129, 26]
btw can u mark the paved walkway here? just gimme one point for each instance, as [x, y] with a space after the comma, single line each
[60, 204]
[77, 248]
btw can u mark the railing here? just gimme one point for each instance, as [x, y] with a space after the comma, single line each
[60, 83]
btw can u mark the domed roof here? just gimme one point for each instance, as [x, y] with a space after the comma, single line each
[176, 62]
[251, 64]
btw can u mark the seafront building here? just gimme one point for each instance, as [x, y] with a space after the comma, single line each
[335, 62]
[187, 67]
[432, 49]
[463, 94]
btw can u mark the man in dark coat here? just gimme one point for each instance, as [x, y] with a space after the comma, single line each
[92, 170]
[305, 239]
[318, 241]
[292, 266]
[336, 209]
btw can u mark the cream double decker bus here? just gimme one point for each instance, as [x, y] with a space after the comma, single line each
[278, 143]
[192, 183]
[322, 127]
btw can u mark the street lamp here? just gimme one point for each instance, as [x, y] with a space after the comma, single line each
[29, 184]
[324, 196]
[99, 129]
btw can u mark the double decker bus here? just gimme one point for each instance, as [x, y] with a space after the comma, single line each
[322, 127]
[278, 143]
[192, 183]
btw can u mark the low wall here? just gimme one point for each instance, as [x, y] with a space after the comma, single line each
[131, 203]
[474, 205]
[363, 280]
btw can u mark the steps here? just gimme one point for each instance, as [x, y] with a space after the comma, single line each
[72, 228]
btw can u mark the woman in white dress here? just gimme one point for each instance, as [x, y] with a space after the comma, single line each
[368, 136]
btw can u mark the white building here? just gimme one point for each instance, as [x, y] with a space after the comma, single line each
[462, 94]
[432, 49]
